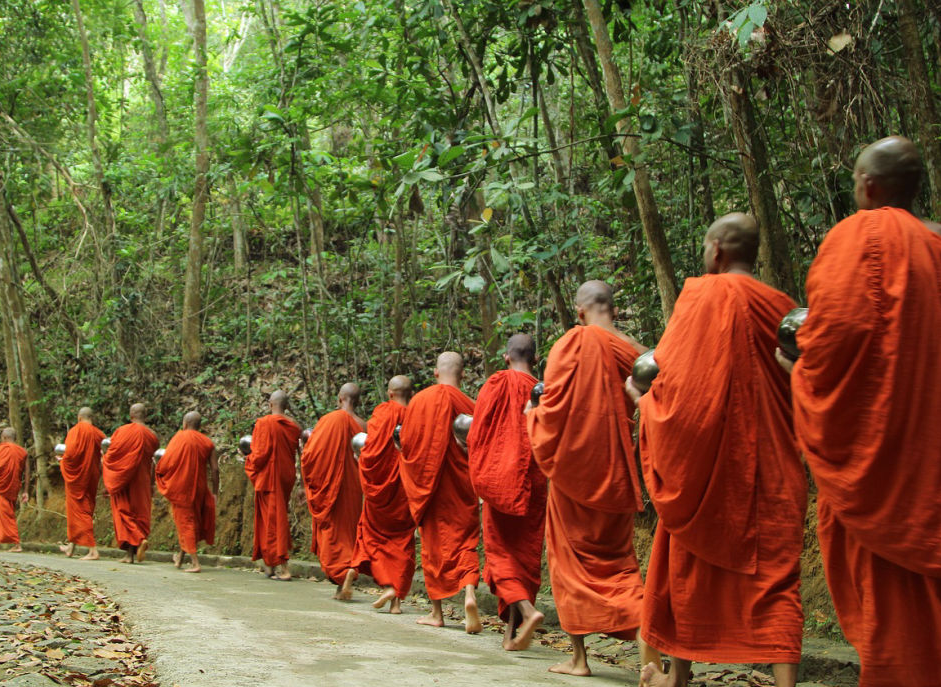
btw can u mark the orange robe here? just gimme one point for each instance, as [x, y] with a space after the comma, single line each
[440, 495]
[271, 468]
[181, 478]
[725, 476]
[385, 536]
[12, 462]
[126, 469]
[81, 471]
[581, 437]
[334, 496]
[513, 488]
[866, 411]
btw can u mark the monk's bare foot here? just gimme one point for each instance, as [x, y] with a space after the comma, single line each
[128, 558]
[395, 608]
[142, 550]
[472, 624]
[92, 555]
[345, 591]
[193, 569]
[178, 559]
[652, 676]
[67, 549]
[525, 632]
[16, 548]
[267, 570]
[571, 667]
[431, 619]
[388, 594]
[282, 574]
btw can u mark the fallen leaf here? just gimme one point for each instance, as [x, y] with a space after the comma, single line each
[839, 42]
[55, 653]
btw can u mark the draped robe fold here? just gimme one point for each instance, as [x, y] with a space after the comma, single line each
[81, 473]
[126, 472]
[181, 478]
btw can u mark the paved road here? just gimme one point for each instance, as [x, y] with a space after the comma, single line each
[232, 627]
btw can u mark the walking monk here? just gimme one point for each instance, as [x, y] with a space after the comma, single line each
[440, 495]
[513, 489]
[271, 468]
[581, 438]
[127, 471]
[81, 472]
[724, 474]
[14, 478]
[866, 409]
[182, 479]
[385, 537]
[334, 496]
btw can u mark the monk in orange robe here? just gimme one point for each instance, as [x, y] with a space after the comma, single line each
[271, 468]
[81, 472]
[724, 474]
[334, 495]
[127, 471]
[440, 495]
[513, 489]
[581, 438]
[385, 536]
[866, 409]
[182, 479]
[14, 478]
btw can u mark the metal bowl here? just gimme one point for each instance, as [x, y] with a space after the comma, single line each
[462, 425]
[105, 443]
[397, 437]
[245, 444]
[358, 441]
[60, 450]
[645, 370]
[535, 394]
[158, 454]
[787, 332]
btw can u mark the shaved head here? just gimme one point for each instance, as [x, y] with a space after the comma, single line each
[521, 348]
[192, 420]
[85, 413]
[888, 173]
[595, 294]
[400, 389]
[731, 240]
[8, 434]
[349, 391]
[449, 369]
[138, 412]
[278, 401]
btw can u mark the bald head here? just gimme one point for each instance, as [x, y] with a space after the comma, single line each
[8, 434]
[449, 368]
[400, 389]
[888, 173]
[731, 244]
[348, 397]
[595, 295]
[85, 414]
[192, 420]
[138, 412]
[278, 401]
[520, 353]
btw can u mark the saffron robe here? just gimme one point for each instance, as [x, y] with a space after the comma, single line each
[334, 497]
[866, 409]
[440, 495]
[581, 438]
[126, 470]
[512, 487]
[725, 476]
[385, 536]
[81, 472]
[12, 462]
[271, 469]
[181, 478]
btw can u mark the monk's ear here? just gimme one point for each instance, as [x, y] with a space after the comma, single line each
[437, 374]
[614, 313]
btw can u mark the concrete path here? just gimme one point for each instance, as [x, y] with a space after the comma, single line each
[228, 627]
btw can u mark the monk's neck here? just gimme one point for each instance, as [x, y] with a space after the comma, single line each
[520, 367]
[348, 408]
[744, 270]
[450, 382]
[603, 322]
[139, 422]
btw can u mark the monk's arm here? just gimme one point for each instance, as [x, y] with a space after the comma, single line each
[214, 472]
[24, 497]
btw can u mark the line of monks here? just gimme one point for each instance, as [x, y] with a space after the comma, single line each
[720, 438]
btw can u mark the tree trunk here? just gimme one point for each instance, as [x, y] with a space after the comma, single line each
[929, 124]
[14, 392]
[774, 259]
[646, 202]
[192, 304]
[239, 234]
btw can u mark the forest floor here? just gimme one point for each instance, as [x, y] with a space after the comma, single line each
[151, 624]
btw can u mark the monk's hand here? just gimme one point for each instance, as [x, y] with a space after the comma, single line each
[24, 497]
[632, 390]
[783, 360]
[529, 406]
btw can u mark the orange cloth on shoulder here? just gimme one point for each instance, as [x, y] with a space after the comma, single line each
[81, 472]
[866, 409]
[271, 468]
[12, 462]
[181, 478]
[385, 536]
[581, 438]
[126, 473]
[441, 499]
[334, 496]
[724, 474]
[505, 475]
